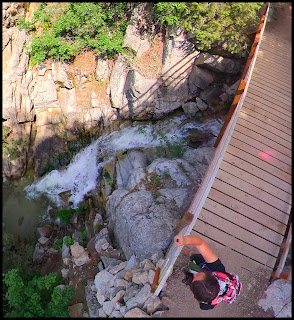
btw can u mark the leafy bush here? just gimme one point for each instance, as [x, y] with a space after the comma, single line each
[57, 245]
[68, 241]
[65, 214]
[36, 296]
[69, 28]
[223, 24]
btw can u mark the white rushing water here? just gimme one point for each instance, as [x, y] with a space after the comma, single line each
[81, 175]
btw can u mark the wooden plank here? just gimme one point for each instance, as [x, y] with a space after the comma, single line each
[259, 172]
[265, 119]
[278, 58]
[265, 133]
[235, 244]
[256, 107]
[268, 60]
[273, 74]
[241, 221]
[274, 146]
[223, 252]
[272, 96]
[239, 232]
[256, 101]
[257, 182]
[230, 202]
[273, 78]
[275, 60]
[257, 142]
[253, 201]
[271, 106]
[260, 154]
[272, 90]
[269, 36]
[251, 119]
[260, 163]
[272, 83]
[249, 188]
[273, 67]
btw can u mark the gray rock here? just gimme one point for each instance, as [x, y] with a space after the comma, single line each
[117, 85]
[102, 279]
[91, 299]
[146, 228]
[152, 304]
[201, 105]
[140, 277]
[279, 298]
[39, 253]
[108, 307]
[140, 298]
[199, 79]
[179, 195]
[132, 290]
[190, 109]
[218, 63]
[102, 71]
[124, 166]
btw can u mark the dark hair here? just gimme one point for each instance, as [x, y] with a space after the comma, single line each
[205, 290]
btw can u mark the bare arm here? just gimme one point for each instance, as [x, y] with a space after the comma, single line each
[200, 244]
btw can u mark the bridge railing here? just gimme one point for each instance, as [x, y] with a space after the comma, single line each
[221, 144]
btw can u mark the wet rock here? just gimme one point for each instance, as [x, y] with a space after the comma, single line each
[45, 230]
[39, 253]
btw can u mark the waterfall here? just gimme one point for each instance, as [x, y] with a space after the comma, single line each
[82, 174]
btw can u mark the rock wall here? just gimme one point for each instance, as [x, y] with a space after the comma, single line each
[56, 108]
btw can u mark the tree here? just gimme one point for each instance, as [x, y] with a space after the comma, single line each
[224, 24]
[36, 296]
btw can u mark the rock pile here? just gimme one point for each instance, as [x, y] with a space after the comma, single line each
[123, 289]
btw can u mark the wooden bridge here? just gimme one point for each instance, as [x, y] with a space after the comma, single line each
[244, 201]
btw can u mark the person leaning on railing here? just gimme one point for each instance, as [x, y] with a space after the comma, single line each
[207, 276]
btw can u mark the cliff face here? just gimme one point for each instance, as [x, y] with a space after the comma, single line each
[54, 108]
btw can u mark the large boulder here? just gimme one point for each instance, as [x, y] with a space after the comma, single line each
[218, 63]
[141, 94]
[179, 56]
[141, 226]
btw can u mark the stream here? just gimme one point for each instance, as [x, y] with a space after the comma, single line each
[26, 203]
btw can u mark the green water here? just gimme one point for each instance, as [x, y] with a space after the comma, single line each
[21, 216]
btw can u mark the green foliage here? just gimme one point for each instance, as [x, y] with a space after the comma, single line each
[174, 149]
[65, 214]
[12, 149]
[36, 296]
[156, 179]
[69, 28]
[16, 253]
[213, 23]
[57, 245]
[68, 241]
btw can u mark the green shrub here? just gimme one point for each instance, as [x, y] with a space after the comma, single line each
[65, 214]
[70, 28]
[68, 241]
[223, 24]
[36, 296]
[57, 245]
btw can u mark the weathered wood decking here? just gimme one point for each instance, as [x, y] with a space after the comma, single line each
[247, 208]
[243, 204]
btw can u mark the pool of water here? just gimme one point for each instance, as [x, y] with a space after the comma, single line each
[21, 216]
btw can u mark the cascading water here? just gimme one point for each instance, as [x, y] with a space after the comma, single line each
[82, 174]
